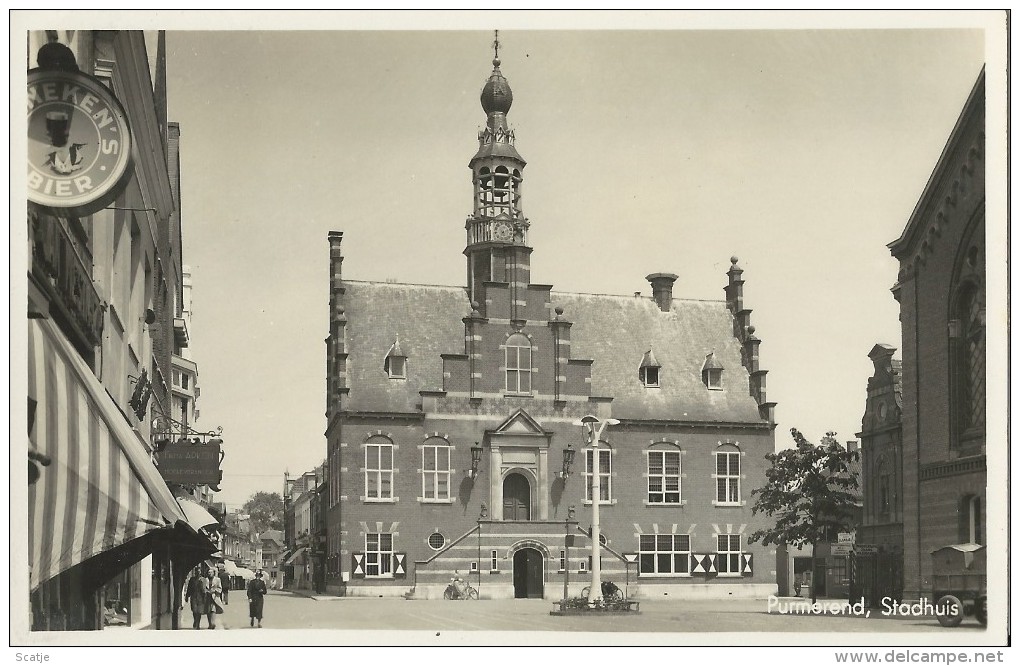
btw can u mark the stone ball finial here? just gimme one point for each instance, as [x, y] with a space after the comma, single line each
[558, 310]
[750, 330]
[734, 260]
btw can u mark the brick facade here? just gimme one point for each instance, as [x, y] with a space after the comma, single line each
[941, 254]
[418, 376]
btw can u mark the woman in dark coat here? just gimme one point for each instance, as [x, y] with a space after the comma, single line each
[201, 601]
[256, 594]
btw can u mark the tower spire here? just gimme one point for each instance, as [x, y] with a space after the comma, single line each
[497, 231]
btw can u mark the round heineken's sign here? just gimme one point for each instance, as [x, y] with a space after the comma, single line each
[79, 142]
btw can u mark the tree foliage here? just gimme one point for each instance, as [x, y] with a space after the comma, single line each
[265, 511]
[809, 492]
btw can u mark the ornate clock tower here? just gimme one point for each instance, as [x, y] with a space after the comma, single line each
[497, 231]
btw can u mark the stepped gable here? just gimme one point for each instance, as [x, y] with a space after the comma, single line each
[617, 331]
[428, 320]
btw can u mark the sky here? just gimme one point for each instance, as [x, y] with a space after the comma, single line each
[802, 152]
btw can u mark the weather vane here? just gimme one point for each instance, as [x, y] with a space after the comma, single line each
[495, 44]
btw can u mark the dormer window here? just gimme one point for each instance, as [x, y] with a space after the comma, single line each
[648, 372]
[395, 363]
[711, 372]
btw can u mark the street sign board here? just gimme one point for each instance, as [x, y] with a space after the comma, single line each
[841, 549]
[845, 537]
[866, 549]
[190, 464]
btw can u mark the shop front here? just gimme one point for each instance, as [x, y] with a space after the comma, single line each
[108, 544]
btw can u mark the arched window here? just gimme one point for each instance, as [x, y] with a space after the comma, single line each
[518, 364]
[435, 470]
[970, 359]
[378, 469]
[664, 474]
[605, 472]
[970, 519]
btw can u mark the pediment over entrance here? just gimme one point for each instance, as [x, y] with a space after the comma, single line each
[520, 423]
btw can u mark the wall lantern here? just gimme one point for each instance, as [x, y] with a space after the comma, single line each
[568, 460]
[476, 459]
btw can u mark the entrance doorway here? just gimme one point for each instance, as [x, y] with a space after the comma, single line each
[516, 497]
[528, 574]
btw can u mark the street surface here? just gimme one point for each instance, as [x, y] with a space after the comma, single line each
[286, 610]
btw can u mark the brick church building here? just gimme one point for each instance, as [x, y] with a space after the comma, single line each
[941, 291]
[452, 437]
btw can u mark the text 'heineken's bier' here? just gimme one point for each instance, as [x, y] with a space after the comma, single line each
[79, 143]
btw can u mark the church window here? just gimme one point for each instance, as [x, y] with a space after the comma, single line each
[518, 364]
[969, 331]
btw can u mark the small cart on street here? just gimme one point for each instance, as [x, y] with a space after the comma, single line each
[960, 582]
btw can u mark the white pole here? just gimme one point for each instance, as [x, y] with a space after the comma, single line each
[595, 591]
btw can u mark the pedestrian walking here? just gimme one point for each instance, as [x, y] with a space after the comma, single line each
[225, 583]
[256, 596]
[215, 597]
[200, 599]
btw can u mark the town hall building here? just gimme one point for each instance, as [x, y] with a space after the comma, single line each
[453, 444]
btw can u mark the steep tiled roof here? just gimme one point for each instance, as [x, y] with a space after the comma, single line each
[427, 319]
[614, 331]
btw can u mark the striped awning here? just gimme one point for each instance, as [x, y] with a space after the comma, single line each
[101, 489]
[197, 515]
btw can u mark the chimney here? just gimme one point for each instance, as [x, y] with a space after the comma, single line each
[662, 289]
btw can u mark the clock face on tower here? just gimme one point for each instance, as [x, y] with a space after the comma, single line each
[502, 231]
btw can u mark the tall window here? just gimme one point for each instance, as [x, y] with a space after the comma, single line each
[664, 477]
[435, 471]
[728, 549]
[378, 554]
[493, 560]
[518, 364]
[379, 469]
[605, 474]
[971, 509]
[884, 493]
[727, 477]
[664, 554]
[971, 361]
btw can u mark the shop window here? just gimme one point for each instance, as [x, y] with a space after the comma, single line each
[664, 554]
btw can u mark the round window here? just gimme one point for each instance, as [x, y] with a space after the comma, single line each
[436, 541]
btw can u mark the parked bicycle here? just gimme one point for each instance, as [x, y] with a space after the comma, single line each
[460, 589]
[610, 591]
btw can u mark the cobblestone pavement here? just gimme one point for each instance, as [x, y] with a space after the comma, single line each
[285, 610]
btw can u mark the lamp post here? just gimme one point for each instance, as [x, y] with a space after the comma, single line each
[592, 429]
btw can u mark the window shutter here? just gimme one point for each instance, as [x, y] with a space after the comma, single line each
[400, 565]
[745, 564]
[696, 567]
[712, 563]
[357, 565]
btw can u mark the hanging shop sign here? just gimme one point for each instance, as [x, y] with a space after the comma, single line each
[79, 143]
[191, 464]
